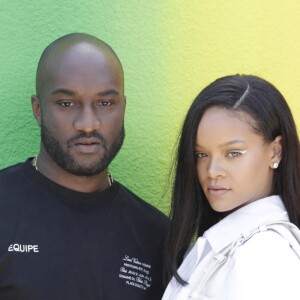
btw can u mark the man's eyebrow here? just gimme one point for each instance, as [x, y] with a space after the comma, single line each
[73, 93]
[64, 91]
[109, 92]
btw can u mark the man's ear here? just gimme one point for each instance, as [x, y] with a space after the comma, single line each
[36, 109]
[276, 149]
[124, 99]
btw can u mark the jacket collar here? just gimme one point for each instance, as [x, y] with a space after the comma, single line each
[257, 213]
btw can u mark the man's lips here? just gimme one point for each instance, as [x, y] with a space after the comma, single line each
[87, 145]
[87, 141]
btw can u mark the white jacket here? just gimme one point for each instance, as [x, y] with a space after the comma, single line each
[263, 268]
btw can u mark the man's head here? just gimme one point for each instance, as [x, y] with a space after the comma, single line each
[80, 103]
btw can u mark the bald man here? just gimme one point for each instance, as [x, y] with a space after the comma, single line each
[67, 230]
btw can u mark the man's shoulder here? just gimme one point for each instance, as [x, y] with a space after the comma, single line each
[12, 182]
[147, 211]
[11, 172]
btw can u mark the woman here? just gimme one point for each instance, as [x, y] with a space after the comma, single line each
[237, 184]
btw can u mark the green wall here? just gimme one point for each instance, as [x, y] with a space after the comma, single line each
[169, 49]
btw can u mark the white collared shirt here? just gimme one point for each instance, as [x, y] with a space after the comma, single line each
[265, 267]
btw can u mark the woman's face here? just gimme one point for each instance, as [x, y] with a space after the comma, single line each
[234, 164]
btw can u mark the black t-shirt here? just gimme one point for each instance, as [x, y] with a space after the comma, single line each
[58, 244]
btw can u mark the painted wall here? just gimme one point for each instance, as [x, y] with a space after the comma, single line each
[170, 50]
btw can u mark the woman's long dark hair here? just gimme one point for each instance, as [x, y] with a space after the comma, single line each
[190, 213]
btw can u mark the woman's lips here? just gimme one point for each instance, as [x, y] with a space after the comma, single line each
[217, 190]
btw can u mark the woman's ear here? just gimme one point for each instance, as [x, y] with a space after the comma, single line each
[276, 149]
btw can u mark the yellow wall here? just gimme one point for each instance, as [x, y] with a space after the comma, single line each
[209, 39]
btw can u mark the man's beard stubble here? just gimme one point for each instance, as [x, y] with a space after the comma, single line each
[64, 159]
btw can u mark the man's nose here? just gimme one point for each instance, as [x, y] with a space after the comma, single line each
[87, 119]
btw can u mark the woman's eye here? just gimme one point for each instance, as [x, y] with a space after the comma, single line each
[200, 155]
[235, 153]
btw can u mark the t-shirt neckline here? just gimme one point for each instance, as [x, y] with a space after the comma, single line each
[44, 182]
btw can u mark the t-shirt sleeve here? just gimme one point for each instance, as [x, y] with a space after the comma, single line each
[265, 267]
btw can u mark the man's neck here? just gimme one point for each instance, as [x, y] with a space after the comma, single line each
[85, 184]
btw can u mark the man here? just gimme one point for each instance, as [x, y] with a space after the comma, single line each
[67, 229]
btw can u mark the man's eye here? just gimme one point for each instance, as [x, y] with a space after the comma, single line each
[235, 153]
[104, 103]
[200, 155]
[66, 103]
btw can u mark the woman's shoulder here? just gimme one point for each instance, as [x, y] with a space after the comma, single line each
[267, 249]
[268, 265]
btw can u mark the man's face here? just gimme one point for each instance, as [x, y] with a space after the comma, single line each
[82, 110]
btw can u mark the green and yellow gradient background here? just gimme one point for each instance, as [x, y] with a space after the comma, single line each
[170, 50]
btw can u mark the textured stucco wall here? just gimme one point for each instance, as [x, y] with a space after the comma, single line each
[170, 50]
